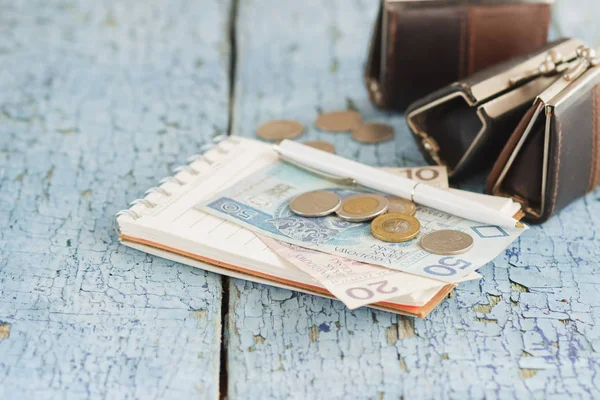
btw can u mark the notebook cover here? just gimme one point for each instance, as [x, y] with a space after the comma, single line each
[412, 311]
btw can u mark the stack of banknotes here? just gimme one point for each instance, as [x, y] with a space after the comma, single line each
[343, 256]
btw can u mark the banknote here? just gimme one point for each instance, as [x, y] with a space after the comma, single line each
[354, 283]
[433, 175]
[260, 204]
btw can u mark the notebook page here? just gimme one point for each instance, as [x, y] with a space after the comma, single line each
[178, 222]
[179, 225]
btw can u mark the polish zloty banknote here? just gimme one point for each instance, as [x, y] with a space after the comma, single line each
[354, 283]
[260, 203]
[433, 175]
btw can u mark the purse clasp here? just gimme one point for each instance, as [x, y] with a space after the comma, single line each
[548, 67]
[433, 148]
[586, 59]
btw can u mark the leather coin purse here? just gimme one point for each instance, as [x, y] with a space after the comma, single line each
[553, 156]
[419, 46]
[465, 125]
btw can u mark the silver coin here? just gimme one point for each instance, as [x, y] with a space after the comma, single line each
[447, 242]
[401, 206]
[315, 204]
[362, 207]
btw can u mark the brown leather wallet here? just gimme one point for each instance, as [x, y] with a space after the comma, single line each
[419, 46]
[465, 125]
[553, 156]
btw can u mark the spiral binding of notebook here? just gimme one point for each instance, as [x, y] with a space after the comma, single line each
[149, 201]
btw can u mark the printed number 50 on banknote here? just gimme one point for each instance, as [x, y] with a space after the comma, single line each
[260, 203]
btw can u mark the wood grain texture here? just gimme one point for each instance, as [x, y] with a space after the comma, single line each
[526, 330]
[97, 101]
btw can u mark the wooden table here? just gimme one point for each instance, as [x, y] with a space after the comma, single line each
[98, 100]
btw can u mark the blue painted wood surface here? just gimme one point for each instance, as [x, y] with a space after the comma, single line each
[526, 330]
[99, 100]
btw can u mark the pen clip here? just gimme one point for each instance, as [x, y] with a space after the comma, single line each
[333, 178]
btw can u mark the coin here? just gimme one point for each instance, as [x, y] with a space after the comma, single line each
[447, 242]
[315, 204]
[395, 228]
[362, 207]
[321, 145]
[373, 133]
[280, 129]
[339, 121]
[401, 206]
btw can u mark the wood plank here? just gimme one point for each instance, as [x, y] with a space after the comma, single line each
[527, 329]
[98, 100]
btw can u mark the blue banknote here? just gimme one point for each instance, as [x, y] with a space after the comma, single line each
[260, 204]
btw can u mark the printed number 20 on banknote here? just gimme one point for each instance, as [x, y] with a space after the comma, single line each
[260, 203]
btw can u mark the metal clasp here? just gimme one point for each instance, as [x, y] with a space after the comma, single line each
[548, 67]
[587, 59]
[433, 148]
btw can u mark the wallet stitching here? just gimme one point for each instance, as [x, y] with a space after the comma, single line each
[559, 151]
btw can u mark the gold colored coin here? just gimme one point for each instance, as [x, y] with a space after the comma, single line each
[362, 207]
[280, 129]
[447, 242]
[395, 228]
[315, 204]
[321, 145]
[401, 206]
[373, 133]
[339, 121]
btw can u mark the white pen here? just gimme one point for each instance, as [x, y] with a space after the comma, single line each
[340, 168]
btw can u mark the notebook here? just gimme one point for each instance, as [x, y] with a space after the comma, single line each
[166, 223]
